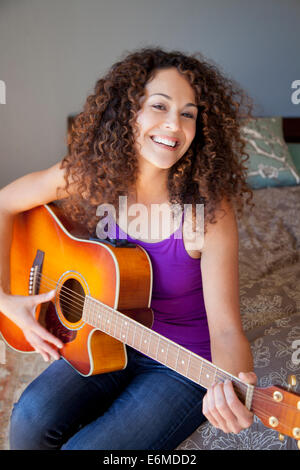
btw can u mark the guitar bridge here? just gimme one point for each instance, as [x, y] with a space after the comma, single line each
[35, 273]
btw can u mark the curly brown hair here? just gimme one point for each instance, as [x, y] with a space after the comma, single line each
[101, 159]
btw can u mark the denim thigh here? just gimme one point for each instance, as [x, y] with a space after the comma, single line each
[145, 406]
[58, 403]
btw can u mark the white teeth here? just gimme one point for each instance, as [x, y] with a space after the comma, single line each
[160, 140]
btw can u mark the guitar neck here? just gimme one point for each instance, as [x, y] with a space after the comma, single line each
[159, 348]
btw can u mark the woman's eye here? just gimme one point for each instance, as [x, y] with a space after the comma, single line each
[189, 115]
[162, 106]
[158, 106]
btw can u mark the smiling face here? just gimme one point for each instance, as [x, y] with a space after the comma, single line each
[167, 120]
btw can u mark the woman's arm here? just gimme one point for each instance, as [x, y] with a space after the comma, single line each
[24, 193]
[18, 196]
[229, 346]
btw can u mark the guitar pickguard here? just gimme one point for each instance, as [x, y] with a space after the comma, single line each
[49, 319]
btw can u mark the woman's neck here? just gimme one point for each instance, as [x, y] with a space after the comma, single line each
[151, 187]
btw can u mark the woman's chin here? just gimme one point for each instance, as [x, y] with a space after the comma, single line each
[161, 163]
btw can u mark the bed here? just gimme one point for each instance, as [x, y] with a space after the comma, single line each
[270, 308]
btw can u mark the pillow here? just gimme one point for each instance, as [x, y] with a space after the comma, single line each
[294, 150]
[270, 163]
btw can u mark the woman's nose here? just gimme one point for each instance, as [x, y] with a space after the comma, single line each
[172, 121]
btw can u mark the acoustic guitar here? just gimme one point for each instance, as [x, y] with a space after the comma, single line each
[102, 303]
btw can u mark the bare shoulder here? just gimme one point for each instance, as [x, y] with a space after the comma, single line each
[225, 226]
[34, 189]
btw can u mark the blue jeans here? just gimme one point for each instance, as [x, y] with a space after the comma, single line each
[145, 406]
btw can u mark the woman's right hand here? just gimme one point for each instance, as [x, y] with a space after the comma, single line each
[21, 310]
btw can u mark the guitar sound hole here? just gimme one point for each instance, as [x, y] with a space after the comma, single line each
[71, 299]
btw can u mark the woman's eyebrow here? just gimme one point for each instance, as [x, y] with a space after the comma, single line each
[169, 98]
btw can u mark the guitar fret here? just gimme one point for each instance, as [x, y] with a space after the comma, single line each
[92, 312]
[95, 315]
[193, 368]
[207, 376]
[149, 342]
[165, 351]
[98, 315]
[177, 359]
[153, 345]
[102, 318]
[146, 341]
[214, 379]
[188, 366]
[181, 366]
[115, 329]
[168, 346]
[108, 324]
[142, 341]
[133, 341]
[200, 373]
[123, 332]
[119, 330]
[141, 337]
[157, 349]
[129, 333]
[123, 335]
[85, 315]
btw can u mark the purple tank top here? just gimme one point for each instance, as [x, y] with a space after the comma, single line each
[177, 294]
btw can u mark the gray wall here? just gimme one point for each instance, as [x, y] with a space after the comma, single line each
[53, 51]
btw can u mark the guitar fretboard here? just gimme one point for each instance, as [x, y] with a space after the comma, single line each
[156, 346]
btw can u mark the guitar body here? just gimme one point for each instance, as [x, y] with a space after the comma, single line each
[48, 252]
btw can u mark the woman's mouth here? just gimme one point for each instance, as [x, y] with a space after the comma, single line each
[165, 144]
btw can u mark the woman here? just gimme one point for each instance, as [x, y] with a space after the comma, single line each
[161, 128]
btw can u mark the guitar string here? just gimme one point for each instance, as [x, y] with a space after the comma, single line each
[52, 281]
[63, 292]
[218, 375]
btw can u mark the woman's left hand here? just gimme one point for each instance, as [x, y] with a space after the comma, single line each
[224, 410]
